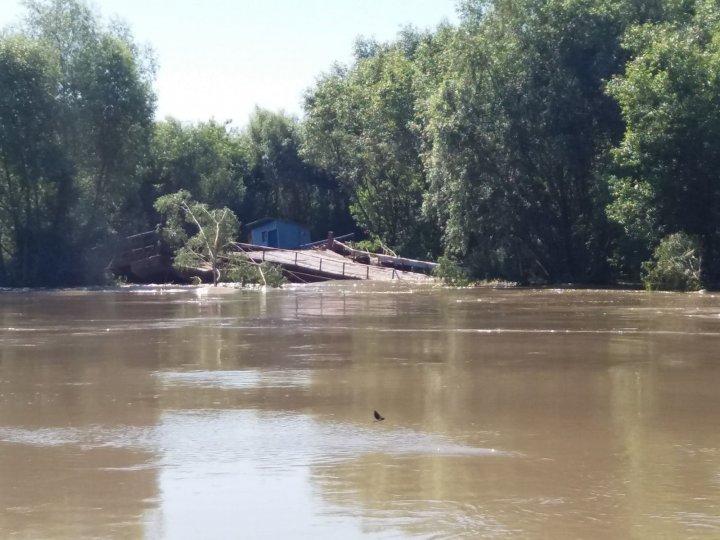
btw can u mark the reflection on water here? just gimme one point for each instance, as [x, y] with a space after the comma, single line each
[202, 413]
[238, 379]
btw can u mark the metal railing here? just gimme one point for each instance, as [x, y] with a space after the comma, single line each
[319, 263]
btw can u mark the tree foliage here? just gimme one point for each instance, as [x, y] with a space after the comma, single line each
[535, 141]
[675, 265]
[75, 114]
[243, 271]
[204, 158]
[518, 130]
[35, 176]
[670, 153]
[281, 184]
[212, 232]
[361, 127]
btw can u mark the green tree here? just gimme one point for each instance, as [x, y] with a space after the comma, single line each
[204, 158]
[675, 265]
[214, 231]
[76, 110]
[106, 111]
[243, 271]
[35, 176]
[361, 127]
[282, 184]
[669, 157]
[517, 132]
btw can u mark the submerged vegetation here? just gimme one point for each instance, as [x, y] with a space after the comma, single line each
[209, 244]
[213, 232]
[451, 273]
[537, 141]
[675, 265]
[243, 271]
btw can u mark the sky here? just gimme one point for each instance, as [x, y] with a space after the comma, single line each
[218, 59]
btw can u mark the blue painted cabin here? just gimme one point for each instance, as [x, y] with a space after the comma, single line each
[278, 233]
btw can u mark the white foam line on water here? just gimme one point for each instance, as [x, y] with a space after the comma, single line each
[40, 437]
[282, 441]
[104, 326]
[238, 379]
[493, 331]
[275, 441]
[88, 437]
[621, 331]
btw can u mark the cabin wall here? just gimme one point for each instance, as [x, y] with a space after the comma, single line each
[265, 234]
[279, 234]
[291, 236]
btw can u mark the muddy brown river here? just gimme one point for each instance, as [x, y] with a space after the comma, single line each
[184, 413]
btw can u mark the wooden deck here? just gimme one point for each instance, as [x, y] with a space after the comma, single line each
[391, 261]
[311, 265]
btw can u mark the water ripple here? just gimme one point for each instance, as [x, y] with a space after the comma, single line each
[239, 379]
[274, 441]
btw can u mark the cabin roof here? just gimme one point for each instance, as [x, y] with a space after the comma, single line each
[265, 220]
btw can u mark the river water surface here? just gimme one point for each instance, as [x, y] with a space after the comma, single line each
[189, 413]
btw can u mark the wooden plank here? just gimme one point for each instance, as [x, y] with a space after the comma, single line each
[403, 262]
[331, 265]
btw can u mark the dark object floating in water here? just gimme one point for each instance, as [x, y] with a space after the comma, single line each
[378, 416]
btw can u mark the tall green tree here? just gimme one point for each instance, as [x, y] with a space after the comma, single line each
[518, 129]
[361, 127]
[669, 158]
[282, 184]
[35, 176]
[204, 158]
[76, 115]
[106, 110]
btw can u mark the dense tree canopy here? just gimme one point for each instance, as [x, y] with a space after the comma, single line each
[212, 231]
[537, 140]
[281, 184]
[361, 127]
[76, 115]
[518, 130]
[669, 158]
[204, 159]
